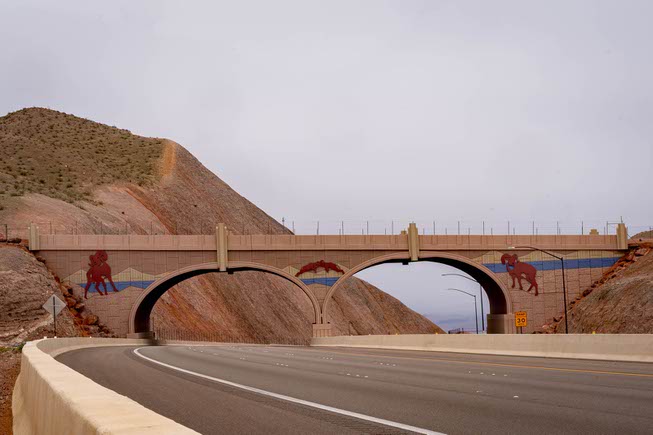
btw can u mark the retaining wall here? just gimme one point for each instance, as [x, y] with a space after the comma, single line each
[51, 398]
[612, 347]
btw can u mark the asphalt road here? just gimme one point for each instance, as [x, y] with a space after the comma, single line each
[442, 392]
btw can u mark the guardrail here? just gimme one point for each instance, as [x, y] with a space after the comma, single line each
[611, 347]
[51, 398]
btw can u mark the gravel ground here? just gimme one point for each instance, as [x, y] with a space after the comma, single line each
[9, 367]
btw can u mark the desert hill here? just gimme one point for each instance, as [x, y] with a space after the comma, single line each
[65, 157]
[69, 174]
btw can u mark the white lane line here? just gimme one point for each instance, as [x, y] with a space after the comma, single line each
[294, 399]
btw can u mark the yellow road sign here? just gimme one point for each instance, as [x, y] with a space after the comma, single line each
[521, 319]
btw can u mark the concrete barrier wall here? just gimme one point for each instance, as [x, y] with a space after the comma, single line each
[613, 347]
[51, 398]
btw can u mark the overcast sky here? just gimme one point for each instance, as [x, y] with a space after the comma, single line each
[367, 110]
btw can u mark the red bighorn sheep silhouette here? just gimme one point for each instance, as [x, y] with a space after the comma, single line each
[97, 272]
[313, 267]
[519, 269]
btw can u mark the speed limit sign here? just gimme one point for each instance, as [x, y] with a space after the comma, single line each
[521, 319]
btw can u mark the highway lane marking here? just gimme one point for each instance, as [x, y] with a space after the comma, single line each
[356, 375]
[559, 369]
[294, 399]
[521, 366]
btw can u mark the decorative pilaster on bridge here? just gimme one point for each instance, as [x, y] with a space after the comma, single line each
[413, 241]
[321, 330]
[222, 237]
[622, 236]
[33, 242]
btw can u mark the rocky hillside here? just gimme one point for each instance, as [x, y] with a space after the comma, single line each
[621, 302]
[25, 285]
[73, 175]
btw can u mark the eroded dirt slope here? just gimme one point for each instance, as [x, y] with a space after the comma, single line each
[25, 285]
[623, 304]
[620, 302]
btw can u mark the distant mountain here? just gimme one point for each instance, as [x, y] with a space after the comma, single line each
[448, 323]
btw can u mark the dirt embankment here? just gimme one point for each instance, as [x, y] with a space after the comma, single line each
[621, 302]
[25, 285]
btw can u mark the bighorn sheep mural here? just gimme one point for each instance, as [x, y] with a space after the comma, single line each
[98, 270]
[518, 270]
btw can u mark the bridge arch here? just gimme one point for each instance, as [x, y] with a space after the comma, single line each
[498, 295]
[139, 317]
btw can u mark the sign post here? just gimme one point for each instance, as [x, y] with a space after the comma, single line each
[54, 305]
[521, 320]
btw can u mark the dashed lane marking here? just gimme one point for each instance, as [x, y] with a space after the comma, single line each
[520, 366]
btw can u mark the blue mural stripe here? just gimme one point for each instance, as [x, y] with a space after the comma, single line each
[120, 285]
[324, 281]
[556, 264]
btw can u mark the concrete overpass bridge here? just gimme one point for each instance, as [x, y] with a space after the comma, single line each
[137, 270]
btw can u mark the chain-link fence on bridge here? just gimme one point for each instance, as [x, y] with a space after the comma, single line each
[341, 227]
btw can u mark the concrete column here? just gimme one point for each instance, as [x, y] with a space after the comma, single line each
[321, 330]
[222, 238]
[622, 236]
[413, 242]
[33, 241]
[501, 324]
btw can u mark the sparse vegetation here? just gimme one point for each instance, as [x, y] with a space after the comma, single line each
[17, 349]
[66, 157]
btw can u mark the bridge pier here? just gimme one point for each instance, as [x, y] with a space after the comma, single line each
[501, 324]
[321, 330]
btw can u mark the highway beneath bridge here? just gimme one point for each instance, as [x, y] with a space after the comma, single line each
[245, 389]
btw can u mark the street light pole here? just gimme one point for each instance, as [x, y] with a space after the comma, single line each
[475, 309]
[564, 285]
[480, 293]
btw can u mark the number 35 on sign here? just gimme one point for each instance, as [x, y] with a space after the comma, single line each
[521, 319]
